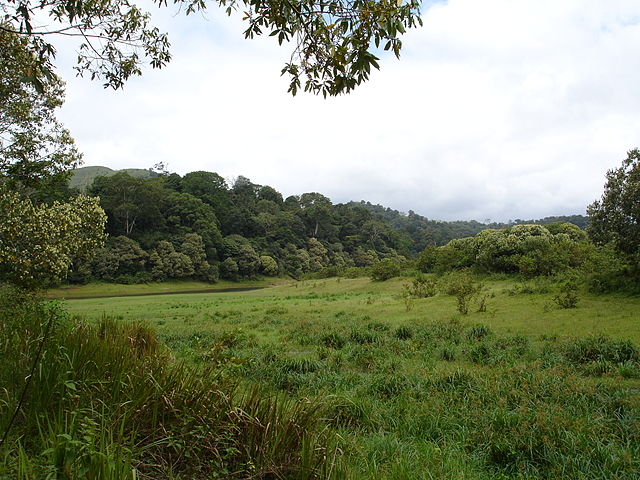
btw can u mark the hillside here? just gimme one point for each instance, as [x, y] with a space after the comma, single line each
[83, 177]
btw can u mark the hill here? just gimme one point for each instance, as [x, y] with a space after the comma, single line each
[83, 177]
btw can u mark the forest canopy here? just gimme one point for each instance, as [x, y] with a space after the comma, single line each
[198, 226]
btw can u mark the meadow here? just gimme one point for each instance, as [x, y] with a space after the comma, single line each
[412, 388]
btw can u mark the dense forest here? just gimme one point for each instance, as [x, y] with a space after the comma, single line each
[197, 226]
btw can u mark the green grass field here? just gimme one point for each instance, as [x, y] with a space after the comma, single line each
[525, 389]
[325, 301]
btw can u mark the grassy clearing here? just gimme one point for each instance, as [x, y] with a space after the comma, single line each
[523, 390]
[509, 311]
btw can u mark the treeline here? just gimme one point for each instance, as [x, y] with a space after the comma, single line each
[198, 226]
[425, 232]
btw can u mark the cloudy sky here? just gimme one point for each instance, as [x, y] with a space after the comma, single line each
[497, 109]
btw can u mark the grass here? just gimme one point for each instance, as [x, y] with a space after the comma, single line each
[109, 402]
[103, 290]
[321, 301]
[523, 390]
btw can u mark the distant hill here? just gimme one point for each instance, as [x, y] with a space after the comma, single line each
[83, 177]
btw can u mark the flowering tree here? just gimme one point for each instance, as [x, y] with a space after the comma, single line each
[39, 242]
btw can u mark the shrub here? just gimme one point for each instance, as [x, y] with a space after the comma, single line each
[567, 297]
[464, 288]
[384, 270]
[423, 287]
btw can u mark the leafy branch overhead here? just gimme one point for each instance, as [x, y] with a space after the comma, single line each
[333, 40]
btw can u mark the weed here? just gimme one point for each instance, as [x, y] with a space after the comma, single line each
[584, 350]
[628, 370]
[362, 337]
[403, 333]
[333, 340]
[478, 332]
[448, 353]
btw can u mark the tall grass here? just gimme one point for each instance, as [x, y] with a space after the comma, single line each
[108, 401]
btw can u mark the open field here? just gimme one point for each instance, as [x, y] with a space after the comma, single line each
[317, 302]
[524, 390]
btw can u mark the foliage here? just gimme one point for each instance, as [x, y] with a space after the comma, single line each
[120, 257]
[531, 250]
[268, 266]
[35, 149]
[332, 39]
[229, 269]
[39, 243]
[606, 270]
[567, 296]
[384, 270]
[464, 288]
[421, 287]
[615, 218]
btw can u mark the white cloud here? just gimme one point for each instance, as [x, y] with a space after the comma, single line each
[498, 109]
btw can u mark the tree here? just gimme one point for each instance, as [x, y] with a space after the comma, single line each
[120, 258]
[615, 218]
[193, 247]
[130, 202]
[188, 214]
[35, 149]
[268, 266]
[209, 187]
[317, 214]
[174, 264]
[331, 39]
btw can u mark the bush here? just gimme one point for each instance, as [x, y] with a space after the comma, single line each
[422, 287]
[384, 270]
[464, 288]
[567, 297]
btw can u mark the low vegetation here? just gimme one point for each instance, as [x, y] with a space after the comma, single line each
[108, 401]
[370, 389]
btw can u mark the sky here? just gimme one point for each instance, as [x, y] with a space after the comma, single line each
[496, 110]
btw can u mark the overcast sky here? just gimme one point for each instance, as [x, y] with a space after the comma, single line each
[497, 109]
